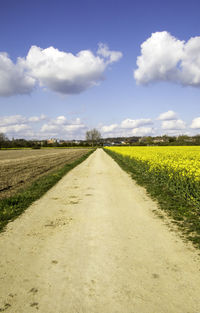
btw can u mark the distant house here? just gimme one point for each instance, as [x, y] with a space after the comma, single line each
[157, 140]
[52, 140]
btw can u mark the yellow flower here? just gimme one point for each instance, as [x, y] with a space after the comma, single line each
[184, 160]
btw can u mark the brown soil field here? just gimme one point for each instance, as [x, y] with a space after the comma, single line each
[18, 168]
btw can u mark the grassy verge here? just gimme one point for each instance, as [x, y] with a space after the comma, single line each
[171, 197]
[12, 207]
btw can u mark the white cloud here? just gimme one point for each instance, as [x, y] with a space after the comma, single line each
[49, 128]
[173, 125]
[129, 123]
[12, 129]
[167, 116]
[112, 56]
[20, 126]
[166, 58]
[175, 132]
[60, 120]
[143, 131]
[65, 72]
[35, 119]
[59, 71]
[190, 65]
[42, 127]
[19, 119]
[195, 123]
[128, 127]
[11, 120]
[63, 128]
[14, 79]
[74, 127]
[108, 129]
[61, 123]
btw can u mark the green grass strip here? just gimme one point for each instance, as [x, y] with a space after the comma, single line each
[12, 207]
[171, 196]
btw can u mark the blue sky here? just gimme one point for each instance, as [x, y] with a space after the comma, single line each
[66, 96]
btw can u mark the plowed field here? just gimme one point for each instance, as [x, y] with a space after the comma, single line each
[19, 168]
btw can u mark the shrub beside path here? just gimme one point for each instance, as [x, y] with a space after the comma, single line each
[92, 244]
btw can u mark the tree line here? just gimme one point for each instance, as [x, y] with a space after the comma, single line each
[93, 138]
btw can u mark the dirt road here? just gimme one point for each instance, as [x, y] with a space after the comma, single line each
[93, 245]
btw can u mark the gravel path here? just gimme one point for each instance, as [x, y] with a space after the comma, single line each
[93, 245]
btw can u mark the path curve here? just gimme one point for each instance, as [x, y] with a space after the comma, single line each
[93, 245]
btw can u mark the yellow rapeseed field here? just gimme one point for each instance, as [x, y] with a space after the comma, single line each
[172, 176]
[183, 161]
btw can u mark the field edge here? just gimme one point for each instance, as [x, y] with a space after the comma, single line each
[12, 207]
[189, 225]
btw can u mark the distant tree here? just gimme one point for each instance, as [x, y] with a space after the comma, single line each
[93, 136]
[197, 139]
[172, 139]
[3, 137]
[3, 140]
[148, 140]
[182, 139]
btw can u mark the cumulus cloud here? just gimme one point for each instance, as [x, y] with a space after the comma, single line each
[128, 127]
[12, 129]
[14, 79]
[167, 116]
[19, 125]
[35, 119]
[143, 131]
[60, 120]
[66, 73]
[166, 58]
[11, 120]
[42, 127]
[109, 128]
[56, 123]
[49, 128]
[173, 125]
[59, 71]
[129, 123]
[61, 127]
[195, 123]
[20, 119]
[111, 56]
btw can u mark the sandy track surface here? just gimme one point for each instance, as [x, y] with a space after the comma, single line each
[93, 245]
